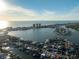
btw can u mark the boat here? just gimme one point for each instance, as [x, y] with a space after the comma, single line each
[52, 48]
[62, 30]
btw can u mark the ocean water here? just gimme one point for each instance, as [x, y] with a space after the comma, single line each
[41, 34]
[30, 23]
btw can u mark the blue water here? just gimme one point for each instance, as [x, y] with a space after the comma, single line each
[41, 34]
[30, 23]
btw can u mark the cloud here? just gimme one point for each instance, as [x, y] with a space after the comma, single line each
[3, 6]
[17, 13]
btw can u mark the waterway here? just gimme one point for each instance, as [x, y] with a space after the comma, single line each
[39, 35]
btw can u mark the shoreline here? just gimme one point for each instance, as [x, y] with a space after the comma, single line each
[31, 46]
[21, 45]
[51, 48]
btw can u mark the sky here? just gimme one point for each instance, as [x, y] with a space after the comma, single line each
[37, 10]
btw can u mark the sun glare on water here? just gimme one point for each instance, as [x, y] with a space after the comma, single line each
[3, 24]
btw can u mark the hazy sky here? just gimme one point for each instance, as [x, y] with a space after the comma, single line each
[39, 10]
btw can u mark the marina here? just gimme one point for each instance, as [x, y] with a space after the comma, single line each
[39, 29]
[59, 47]
[46, 45]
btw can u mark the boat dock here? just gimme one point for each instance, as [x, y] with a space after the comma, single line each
[51, 48]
